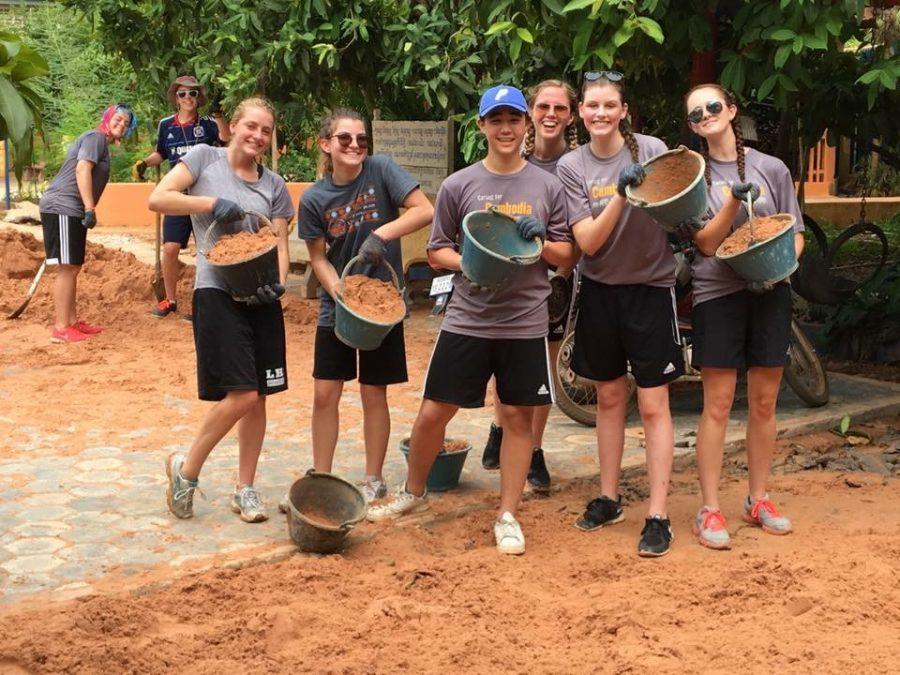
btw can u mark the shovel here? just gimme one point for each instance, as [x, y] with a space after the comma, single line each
[31, 289]
[159, 286]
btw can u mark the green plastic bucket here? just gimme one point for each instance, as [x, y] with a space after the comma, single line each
[690, 202]
[771, 261]
[445, 471]
[322, 509]
[357, 331]
[243, 277]
[493, 251]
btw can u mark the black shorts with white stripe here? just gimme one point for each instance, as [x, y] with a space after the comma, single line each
[65, 239]
[461, 366]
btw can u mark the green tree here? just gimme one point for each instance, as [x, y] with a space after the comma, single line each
[20, 103]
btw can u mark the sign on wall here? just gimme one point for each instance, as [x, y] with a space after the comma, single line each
[425, 149]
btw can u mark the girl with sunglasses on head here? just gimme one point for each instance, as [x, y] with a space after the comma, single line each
[176, 135]
[354, 210]
[551, 133]
[737, 325]
[68, 211]
[627, 305]
[240, 343]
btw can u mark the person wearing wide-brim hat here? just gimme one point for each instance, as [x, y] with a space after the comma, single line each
[176, 135]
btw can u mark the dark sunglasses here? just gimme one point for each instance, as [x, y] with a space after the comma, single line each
[345, 139]
[193, 93]
[611, 75]
[712, 107]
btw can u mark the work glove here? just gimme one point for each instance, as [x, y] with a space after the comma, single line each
[372, 250]
[266, 295]
[138, 169]
[633, 175]
[686, 229]
[226, 211]
[740, 191]
[530, 227]
[760, 287]
[90, 219]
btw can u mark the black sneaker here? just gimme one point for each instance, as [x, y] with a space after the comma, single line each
[538, 476]
[656, 537]
[599, 512]
[490, 459]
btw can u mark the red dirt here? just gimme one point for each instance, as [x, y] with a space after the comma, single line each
[318, 515]
[233, 248]
[764, 228]
[667, 177]
[373, 298]
[455, 444]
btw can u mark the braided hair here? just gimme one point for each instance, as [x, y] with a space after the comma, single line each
[735, 127]
[326, 128]
[624, 124]
[571, 134]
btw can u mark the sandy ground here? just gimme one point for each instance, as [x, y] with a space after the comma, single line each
[825, 598]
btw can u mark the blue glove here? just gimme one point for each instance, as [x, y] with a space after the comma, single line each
[90, 219]
[226, 211]
[530, 227]
[740, 191]
[686, 229]
[266, 295]
[632, 174]
[760, 287]
[372, 250]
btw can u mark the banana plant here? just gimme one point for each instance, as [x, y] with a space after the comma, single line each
[20, 104]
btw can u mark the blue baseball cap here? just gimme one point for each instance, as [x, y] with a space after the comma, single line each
[501, 96]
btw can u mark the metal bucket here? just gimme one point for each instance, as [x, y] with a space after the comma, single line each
[322, 509]
[771, 260]
[493, 251]
[358, 331]
[689, 203]
[446, 470]
[243, 277]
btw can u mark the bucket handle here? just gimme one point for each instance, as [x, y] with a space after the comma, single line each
[260, 218]
[347, 525]
[384, 263]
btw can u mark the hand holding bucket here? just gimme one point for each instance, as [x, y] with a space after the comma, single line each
[244, 277]
[358, 331]
[493, 250]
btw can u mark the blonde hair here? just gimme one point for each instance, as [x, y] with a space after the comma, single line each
[252, 102]
[571, 129]
[326, 128]
[624, 125]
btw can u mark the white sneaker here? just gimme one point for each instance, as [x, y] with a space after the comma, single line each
[508, 534]
[284, 503]
[373, 488]
[401, 504]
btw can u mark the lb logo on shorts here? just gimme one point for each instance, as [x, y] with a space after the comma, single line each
[274, 377]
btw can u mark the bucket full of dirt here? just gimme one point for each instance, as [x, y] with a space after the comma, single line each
[448, 465]
[765, 254]
[673, 190]
[322, 509]
[493, 251]
[366, 309]
[245, 260]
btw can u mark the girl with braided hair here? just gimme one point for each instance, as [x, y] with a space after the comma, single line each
[737, 325]
[627, 303]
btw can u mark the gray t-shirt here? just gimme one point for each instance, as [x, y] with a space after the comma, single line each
[62, 197]
[346, 214]
[518, 310]
[712, 277]
[637, 251]
[548, 165]
[214, 177]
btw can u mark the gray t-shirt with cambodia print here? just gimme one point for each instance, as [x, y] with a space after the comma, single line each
[712, 277]
[637, 251]
[518, 310]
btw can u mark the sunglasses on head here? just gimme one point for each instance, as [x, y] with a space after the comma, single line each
[345, 138]
[611, 75]
[712, 107]
[182, 93]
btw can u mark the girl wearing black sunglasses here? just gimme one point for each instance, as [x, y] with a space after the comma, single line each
[737, 325]
[354, 209]
[627, 303]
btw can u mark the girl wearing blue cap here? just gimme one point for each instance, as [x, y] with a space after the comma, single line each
[67, 213]
[490, 332]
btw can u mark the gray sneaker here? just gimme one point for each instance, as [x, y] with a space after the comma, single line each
[763, 513]
[711, 530]
[373, 488]
[284, 503]
[247, 502]
[180, 490]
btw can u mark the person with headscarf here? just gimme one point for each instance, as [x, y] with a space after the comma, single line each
[68, 212]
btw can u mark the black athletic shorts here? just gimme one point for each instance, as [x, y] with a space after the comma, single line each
[239, 346]
[461, 366]
[333, 360]
[620, 325]
[743, 330]
[177, 229]
[65, 239]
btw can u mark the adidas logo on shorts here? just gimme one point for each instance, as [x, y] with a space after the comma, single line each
[669, 369]
[543, 391]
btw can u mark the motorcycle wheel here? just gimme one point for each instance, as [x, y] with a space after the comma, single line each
[804, 371]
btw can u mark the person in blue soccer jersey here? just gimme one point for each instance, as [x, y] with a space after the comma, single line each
[176, 135]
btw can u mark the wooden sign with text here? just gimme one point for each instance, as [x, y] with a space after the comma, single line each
[425, 149]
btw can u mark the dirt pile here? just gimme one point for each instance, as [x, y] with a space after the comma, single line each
[667, 177]
[454, 445]
[233, 248]
[373, 298]
[764, 228]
